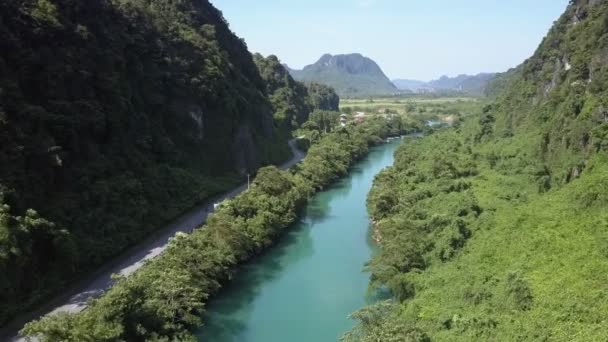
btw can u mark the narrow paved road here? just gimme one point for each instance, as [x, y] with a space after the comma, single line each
[75, 298]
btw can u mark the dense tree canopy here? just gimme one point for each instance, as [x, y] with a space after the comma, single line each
[115, 117]
[165, 298]
[496, 229]
[293, 101]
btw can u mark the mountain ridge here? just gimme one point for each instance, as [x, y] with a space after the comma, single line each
[349, 74]
[472, 84]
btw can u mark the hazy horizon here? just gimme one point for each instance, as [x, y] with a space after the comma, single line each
[418, 41]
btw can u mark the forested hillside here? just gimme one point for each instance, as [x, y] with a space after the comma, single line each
[292, 101]
[496, 229]
[116, 116]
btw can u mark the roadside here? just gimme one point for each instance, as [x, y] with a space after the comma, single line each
[76, 297]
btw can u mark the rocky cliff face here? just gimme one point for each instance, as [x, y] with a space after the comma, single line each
[559, 95]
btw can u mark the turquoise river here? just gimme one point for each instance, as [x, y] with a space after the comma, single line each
[305, 287]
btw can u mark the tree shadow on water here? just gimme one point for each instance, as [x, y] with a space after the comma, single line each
[316, 211]
[230, 311]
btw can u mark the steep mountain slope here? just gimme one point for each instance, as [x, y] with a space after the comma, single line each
[293, 101]
[116, 116]
[496, 230]
[558, 96]
[350, 75]
[288, 97]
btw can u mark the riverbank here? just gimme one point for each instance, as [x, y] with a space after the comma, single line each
[306, 285]
[476, 246]
[166, 297]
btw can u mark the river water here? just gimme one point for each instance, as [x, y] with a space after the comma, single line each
[304, 288]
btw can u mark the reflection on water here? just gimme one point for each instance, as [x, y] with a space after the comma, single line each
[304, 288]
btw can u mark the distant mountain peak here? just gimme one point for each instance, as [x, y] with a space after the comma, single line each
[326, 56]
[287, 67]
[350, 74]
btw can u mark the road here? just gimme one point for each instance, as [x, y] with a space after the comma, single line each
[75, 298]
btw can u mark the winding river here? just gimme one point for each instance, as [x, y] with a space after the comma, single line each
[304, 288]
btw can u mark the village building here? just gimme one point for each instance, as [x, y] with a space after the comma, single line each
[359, 117]
[343, 119]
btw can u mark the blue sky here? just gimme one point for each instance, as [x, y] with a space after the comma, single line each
[418, 39]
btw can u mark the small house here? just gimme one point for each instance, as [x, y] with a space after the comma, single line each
[359, 117]
[343, 118]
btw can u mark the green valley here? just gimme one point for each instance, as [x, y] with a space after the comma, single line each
[166, 176]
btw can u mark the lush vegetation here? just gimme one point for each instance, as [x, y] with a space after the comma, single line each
[293, 101]
[496, 229]
[164, 299]
[111, 115]
[352, 75]
[415, 111]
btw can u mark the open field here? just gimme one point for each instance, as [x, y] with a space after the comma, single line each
[404, 100]
[446, 109]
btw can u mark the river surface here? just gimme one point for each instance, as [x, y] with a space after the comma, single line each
[304, 288]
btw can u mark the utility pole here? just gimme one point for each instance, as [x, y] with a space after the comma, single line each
[248, 181]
